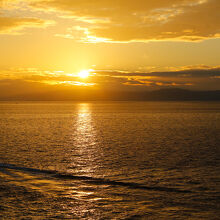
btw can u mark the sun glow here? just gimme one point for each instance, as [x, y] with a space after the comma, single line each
[83, 74]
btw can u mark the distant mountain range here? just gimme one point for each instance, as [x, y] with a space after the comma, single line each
[168, 94]
[183, 95]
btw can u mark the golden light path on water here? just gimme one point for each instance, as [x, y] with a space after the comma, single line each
[85, 140]
[85, 156]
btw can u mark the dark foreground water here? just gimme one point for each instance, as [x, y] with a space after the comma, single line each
[115, 160]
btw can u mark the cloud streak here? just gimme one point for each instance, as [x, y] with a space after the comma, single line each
[184, 72]
[10, 24]
[13, 25]
[200, 78]
[124, 21]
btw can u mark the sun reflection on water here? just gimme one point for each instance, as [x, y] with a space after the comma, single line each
[83, 121]
[85, 132]
[85, 139]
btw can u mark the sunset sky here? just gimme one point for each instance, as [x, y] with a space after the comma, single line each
[116, 44]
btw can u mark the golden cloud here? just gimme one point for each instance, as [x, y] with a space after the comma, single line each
[202, 77]
[125, 21]
[11, 25]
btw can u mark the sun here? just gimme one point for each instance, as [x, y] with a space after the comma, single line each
[83, 74]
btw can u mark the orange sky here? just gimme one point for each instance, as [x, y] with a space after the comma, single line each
[126, 44]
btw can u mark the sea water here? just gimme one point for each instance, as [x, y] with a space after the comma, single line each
[109, 160]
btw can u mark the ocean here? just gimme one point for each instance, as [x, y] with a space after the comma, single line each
[110, 160]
